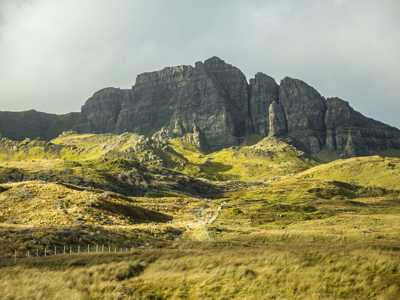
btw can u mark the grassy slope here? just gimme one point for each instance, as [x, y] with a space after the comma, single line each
[329, 232]
[368, 171]
[50, 204]
[267, 159]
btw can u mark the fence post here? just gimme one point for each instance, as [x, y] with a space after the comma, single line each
[109, 249]
[97, 248]
[27, 253]
[64, 249]
[45, 251]
[37, 252]
[15, 256]
[79, 249]
[102, 248]
[88, 248]
[70, 250]
[55, 250]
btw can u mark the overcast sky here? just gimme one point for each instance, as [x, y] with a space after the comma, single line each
[54, 54]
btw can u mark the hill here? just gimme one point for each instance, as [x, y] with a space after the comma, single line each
[266, 159]
[49, 204]
[373, 171]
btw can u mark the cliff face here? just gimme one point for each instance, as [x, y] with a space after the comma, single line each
[263, 92]
[213, 100]
[211, 96]
[350, 133]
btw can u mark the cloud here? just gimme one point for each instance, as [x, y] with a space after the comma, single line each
[55, 54]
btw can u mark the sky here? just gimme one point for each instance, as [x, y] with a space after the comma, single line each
[55, 54]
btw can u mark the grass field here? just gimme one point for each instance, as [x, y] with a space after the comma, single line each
[254, 222]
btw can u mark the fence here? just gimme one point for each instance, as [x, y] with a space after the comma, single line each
[65, 250]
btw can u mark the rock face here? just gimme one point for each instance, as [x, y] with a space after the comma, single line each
[277, 120]
[263, 92]
[350, 133]
[212, 104]
[211, 97]
[305, 110]
[101, 111]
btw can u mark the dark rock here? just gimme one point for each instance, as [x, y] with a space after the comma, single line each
[101, 111]
[305, 111]
[263, 91]
[212, 97]
[277, 120]
[349, 133]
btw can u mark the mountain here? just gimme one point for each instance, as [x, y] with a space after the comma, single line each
[214, 100]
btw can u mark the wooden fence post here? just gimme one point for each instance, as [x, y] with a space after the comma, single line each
[15, 256]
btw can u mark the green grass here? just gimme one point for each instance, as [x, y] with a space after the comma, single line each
[50, 204]
[368, 171]
[260, 221]
[262, 161]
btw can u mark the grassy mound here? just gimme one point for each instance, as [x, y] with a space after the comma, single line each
[50, 204]
[368, 171]
[265, 160]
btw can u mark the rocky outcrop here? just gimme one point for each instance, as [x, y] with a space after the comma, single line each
[304, 110]
[277, 120]
[263, 92]
[100, 113]
[211, 96]
[212, 105]
[350, 133]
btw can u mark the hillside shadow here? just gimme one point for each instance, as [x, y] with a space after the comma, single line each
[135, 213]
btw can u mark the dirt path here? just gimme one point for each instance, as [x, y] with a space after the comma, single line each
[199, 228]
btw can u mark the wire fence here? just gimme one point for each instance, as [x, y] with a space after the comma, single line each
[64, 250]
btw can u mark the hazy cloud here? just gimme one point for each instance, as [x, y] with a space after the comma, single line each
[55, 54]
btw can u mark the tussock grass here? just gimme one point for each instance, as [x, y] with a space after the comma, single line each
[265, 222]
[48, 204]
[285, 271]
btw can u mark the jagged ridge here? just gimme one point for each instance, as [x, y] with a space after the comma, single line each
[214, 100]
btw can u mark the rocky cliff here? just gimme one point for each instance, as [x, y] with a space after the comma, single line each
[211, 96]
[214, 101]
